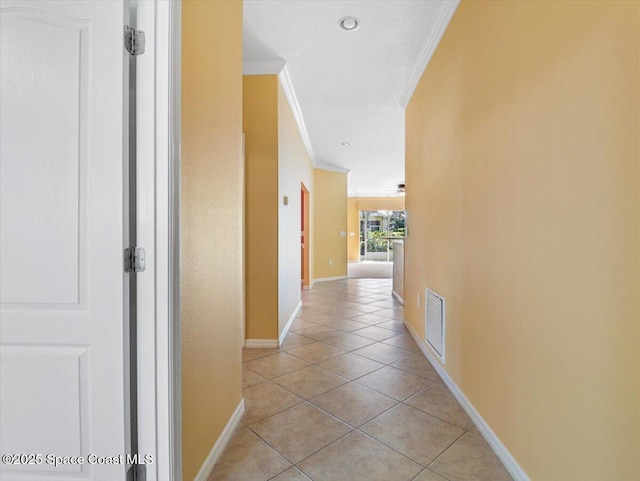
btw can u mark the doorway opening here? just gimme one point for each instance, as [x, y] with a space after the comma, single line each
[378, 230]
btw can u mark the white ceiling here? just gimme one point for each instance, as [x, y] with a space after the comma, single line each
[350, 85]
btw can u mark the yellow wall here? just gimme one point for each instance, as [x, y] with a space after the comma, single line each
[294, 168]
[211, 224]
[260, 125]
[330, 218]
[357, 204]
[523, 206]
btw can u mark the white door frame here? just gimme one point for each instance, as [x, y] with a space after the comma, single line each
[159, 344]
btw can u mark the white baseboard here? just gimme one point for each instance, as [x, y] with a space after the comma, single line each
[261, 343]
[327, 279]
[397, 296]
[501, 451]
[289, 322]
[221, 443]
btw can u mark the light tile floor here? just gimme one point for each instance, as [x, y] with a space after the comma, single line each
[350, 397]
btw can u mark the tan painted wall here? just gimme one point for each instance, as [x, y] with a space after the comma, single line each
[357, 204]
[260, 125]
[211, 256]
[330, 218]
[294, 167]
[523, 202]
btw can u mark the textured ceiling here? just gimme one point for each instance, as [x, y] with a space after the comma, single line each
[348, 84]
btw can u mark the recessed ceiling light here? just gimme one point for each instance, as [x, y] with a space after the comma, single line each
[346, 144]
[349, 23]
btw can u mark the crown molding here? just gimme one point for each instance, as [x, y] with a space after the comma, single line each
[287, 86]
[263, 67]
[445, 15]
[332, 168]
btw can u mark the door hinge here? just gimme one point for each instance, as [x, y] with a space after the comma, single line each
[137, 472]
[133, 40]
[134, 259]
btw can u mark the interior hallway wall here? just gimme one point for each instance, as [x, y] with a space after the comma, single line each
[211, 224]
[260, 125]
[523, 208]
[294, 167]
[330, 219]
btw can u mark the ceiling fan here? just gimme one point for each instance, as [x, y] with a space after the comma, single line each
[400, 189]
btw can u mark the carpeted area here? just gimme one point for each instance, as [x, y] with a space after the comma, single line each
[370, 269]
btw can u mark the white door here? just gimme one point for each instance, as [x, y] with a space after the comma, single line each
[62, 280]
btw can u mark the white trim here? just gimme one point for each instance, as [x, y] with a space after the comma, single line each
[328, 279]
[397, 296]
[263, 67]
[221, 443]
[287, 86]
[289, 322]
[501, 451]
[445, 15]
[261, 344]
[175, 159]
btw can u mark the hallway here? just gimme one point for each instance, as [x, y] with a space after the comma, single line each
[349, 396]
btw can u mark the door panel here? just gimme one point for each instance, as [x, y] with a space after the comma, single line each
[61, 267]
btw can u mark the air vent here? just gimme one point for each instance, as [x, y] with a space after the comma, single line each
[435, 322]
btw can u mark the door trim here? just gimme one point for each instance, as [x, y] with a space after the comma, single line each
[160, 342]
[175, 341]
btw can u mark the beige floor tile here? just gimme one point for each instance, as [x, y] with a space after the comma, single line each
[394, 382]
[394, 325]
[370, 319]
[417, 435]
[249, 354]
[438, 401]
[294, 340]
[470, 459]
[315, 352]
[266, 399]
[365, 308]
[250, 378]
[474, 430]
[384, 304]
[299, 432]
[336, 311]
[418, 364]
[276, 364]
[291, 474]
[382, 353]
[350, 365]
[320, 318]
[354, 403]
[404, 341]
[300, 324]
[348, 341]
[390, 314]
[310, 381]
[357, 457]
[247, 457]
[320, 332]
[346, 325]
[426, 475]
[376, 333]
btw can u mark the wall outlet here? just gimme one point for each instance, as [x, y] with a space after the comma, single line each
[418, 300]
[330, 262]
[343, 233]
